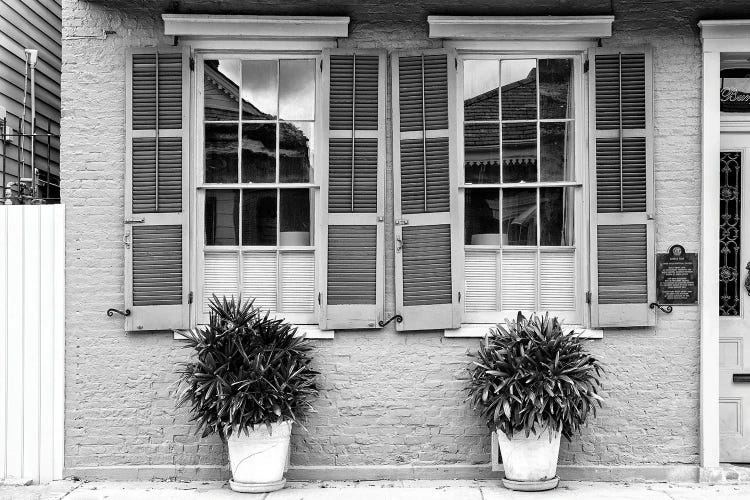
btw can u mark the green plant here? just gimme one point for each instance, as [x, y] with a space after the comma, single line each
[245, 369]
[529, 375]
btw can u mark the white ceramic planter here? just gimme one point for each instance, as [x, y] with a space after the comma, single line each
[530, 463]
[258, 460]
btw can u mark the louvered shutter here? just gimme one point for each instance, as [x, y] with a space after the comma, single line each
[352, 239]
[156, 203]
[622, 207]
[424, 152]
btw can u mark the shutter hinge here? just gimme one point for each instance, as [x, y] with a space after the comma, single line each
[319, 302]
[401, 222]
[455, 61]
[135, 220]
[586, 66]
[588, 297]
[321, 65]
[192, 64]
[190, 298]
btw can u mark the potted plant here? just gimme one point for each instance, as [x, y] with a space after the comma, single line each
[533, 384]
[248, 379]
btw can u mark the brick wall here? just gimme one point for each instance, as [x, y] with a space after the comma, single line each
[388, 398]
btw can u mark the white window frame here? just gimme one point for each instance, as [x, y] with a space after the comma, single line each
[307, 323]
[580, 185]
[533, 37]
[210, 35]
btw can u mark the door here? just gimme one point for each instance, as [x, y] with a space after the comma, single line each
[734, 297]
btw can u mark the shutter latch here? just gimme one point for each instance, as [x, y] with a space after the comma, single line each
[588, 297]
[190, 298]
[586, 66]
[401, 222]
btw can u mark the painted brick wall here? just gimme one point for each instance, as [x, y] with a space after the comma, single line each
[388, 398]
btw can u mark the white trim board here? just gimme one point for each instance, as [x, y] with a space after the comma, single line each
[480, 330]
[311, 332]
[521, 27]
[223, 26]
[662, 473]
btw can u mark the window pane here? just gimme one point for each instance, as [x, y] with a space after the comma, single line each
[519, 216]
[296, 152]
[221, 80]
[258, 152]
[556, 151]
[259, 88]
[556, 216]
[482, 225]
[222, 216]
[259, 217]
[519, 152]
[295, 217]
[297, 89]
[221, 145]
[482, 153]
[518, 80]
[555, 88]
[480, 90]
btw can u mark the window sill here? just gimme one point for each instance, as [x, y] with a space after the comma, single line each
[480, 330]
[310, 331]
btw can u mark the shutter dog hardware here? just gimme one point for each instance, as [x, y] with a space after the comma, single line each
[662, 308]
[111, 311]
[397, 317]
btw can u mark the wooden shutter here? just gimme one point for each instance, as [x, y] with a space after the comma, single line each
[156, 203]
[425, 197]
[622, 194]
[352, 239]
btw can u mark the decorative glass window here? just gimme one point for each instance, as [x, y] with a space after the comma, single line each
[520, 187]
[257, 188]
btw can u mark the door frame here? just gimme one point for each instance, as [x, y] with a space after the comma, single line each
[717, 36]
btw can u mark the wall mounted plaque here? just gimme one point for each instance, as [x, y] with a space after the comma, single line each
[677, 277]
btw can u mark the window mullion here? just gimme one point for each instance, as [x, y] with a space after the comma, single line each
[240, 253]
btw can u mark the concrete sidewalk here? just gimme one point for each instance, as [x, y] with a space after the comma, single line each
[375, 490]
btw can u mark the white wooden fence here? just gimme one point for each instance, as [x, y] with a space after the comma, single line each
[32, 342]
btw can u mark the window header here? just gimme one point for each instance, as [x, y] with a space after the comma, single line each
[255, 27]
[520, 27]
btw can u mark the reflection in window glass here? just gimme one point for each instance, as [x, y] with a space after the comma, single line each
[482, 224]
[297, 89]
[295, 217]
[519, 216]
[259, 88]
[556, 216]
[259, 217]
[518, 81]
[555, 88]
[519, 152]
[220, 152]
[296, 152]
[482, 153]
[556, 151]
[221, 79]
[481, 79]
[222, 216]
[258, 152]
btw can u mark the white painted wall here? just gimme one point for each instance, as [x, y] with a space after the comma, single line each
[32, 342]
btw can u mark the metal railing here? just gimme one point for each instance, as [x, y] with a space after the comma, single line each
[28, 175]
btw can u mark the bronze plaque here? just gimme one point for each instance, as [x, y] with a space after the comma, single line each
[677, 277]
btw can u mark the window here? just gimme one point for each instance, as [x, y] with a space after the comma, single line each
[522, 192]
[257, 188]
